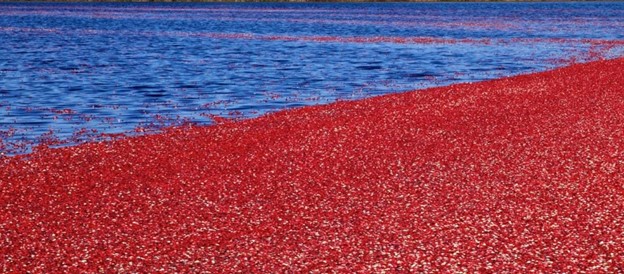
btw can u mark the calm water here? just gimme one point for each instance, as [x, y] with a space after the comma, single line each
[72, 69]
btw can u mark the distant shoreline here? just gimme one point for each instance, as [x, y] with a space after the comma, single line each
[299, 1]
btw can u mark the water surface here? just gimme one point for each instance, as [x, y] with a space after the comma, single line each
[81, 69]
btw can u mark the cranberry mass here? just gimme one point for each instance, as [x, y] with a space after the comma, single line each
[517, 174]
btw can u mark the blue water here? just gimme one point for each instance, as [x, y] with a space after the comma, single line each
[116, 67]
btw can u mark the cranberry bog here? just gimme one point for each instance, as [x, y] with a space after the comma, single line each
[267, 138]
[517, 174]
